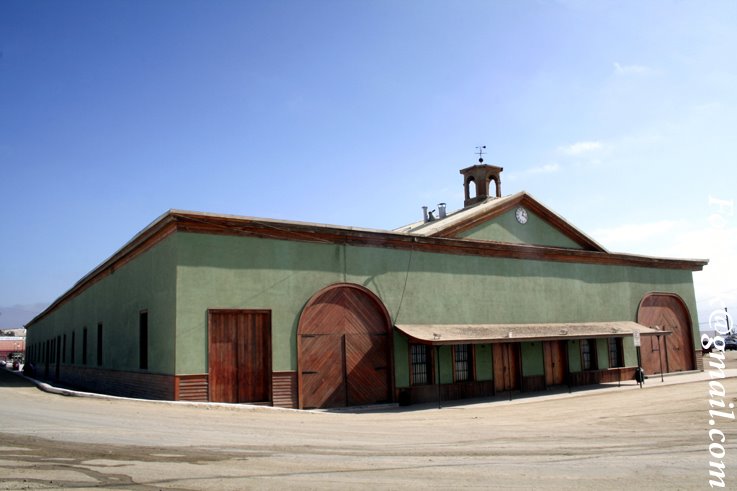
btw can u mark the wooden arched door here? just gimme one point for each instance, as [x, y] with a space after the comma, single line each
[344, 349]
[673, 352]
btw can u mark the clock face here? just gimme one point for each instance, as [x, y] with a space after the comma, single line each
[521, 215]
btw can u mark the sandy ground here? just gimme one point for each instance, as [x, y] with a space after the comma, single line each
[616, 438]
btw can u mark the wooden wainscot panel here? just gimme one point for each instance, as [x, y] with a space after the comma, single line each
[142, 385]
[192, 388]
[589, 377]
[617, 375]
[533, 383]
[285, 389]
[448, 392]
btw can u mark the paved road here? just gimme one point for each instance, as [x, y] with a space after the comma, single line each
[615, 439]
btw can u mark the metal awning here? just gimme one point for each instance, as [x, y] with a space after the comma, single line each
[439, 334]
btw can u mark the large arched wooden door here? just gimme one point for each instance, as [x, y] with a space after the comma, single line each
[675, 351]
[344, 349]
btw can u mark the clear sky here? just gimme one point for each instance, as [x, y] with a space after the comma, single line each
[621, 116]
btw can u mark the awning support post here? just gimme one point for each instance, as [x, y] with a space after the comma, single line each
[437, 372]
[660, 357]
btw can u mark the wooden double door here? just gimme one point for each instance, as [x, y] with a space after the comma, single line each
[344, 349]
[674, 352]
[556, 362]
[507, 366]
[239, 356]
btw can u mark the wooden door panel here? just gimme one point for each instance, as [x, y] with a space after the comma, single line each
[505, 359]
[322, 370]
[675, 350]
[497, 357]
[514, 366]
[652, 354]
[344, 349]
[560, 361]
[254, 357]
[554, 355]
[341, 312]
[239, 356]
[223, 358]
[366, 368]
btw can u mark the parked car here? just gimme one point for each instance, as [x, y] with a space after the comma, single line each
[730, 344]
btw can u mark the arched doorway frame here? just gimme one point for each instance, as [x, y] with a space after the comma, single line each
[302, 329]
[689, 323]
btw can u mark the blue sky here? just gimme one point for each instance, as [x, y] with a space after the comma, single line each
[620, 116]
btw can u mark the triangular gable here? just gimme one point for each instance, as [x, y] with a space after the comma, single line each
[494, 220]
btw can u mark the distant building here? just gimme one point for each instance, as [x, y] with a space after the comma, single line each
[502, 295]
[10, 345]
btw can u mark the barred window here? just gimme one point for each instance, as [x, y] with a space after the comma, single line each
[462, 362]
[588, 354]
[615, 353]
[421, 365]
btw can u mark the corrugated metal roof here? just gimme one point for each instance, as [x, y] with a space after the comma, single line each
[427, 229]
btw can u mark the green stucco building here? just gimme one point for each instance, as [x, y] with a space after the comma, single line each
[503, 295]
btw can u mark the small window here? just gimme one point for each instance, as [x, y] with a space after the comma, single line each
[421, 365]
[99, 344]
[71, 353]
[64, 350]
[588, 354]
[615, 353]
[143, 340]
[84, 346]
[462, 362]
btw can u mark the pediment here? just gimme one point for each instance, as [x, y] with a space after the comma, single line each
[495, 220]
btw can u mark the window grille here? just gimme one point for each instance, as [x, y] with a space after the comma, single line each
[615, 353]
[462, 362]
[421, 373]
[586, 355]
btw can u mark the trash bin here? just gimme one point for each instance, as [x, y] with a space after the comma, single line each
[639, 375]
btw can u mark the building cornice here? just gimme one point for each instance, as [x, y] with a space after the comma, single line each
[215, 224]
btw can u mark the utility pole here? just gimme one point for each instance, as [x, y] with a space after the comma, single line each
[729, 328]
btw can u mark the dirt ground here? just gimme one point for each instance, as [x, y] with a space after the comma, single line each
[615, 438]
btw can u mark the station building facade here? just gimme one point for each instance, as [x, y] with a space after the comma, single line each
[501, 296]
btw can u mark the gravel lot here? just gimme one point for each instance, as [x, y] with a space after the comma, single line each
[616, 438]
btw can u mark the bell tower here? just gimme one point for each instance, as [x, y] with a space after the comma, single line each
[477, 181]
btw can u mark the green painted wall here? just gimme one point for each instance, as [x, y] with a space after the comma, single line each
[186, 274]
[146, 282]
[484, 368]
[445, 360]
[602, 353]
[401, 360]
[246, 273]
[506, 228]
[630, 352]
[242, 272]
[532, 359]
[574, 356]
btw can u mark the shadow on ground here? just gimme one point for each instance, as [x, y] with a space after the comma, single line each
[10, 378]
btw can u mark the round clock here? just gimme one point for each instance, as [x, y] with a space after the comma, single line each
[521, 215]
